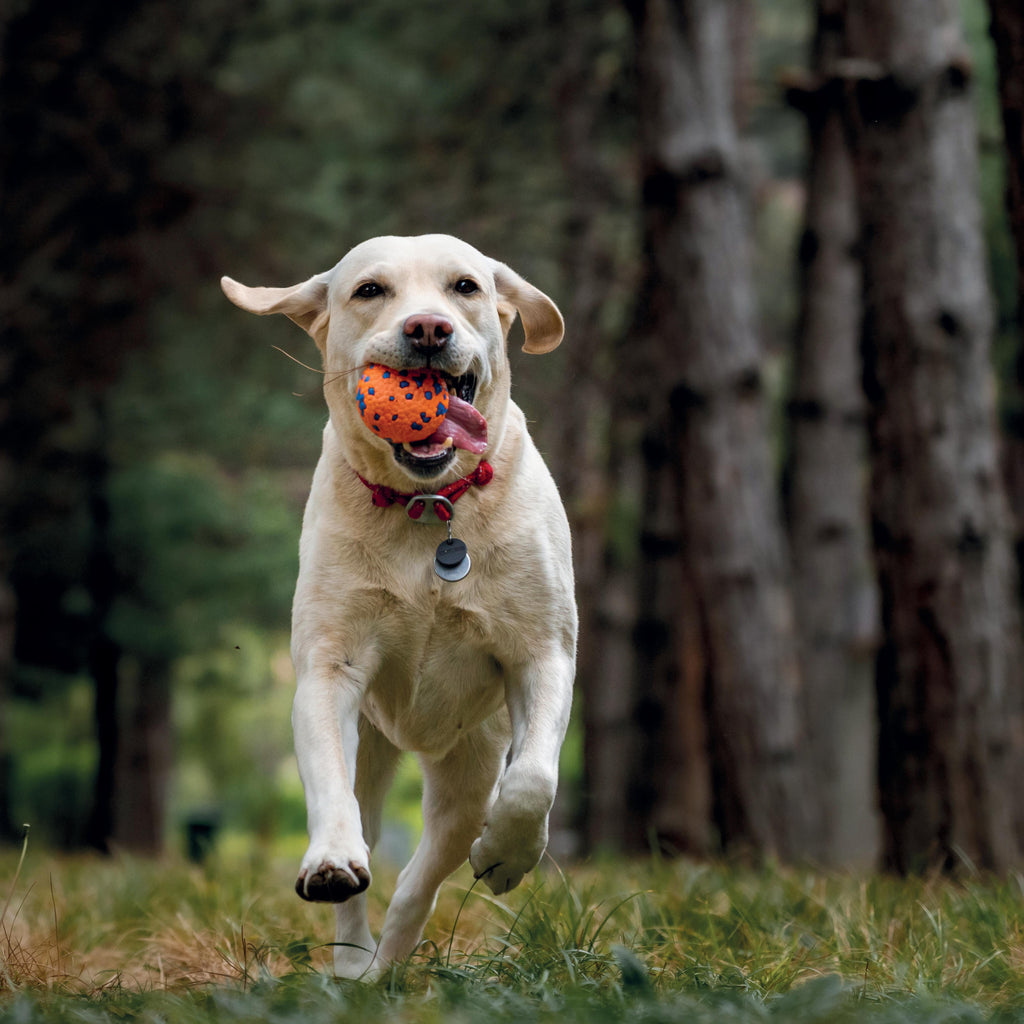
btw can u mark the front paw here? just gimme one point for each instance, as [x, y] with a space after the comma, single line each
[502, 858]
[332, 879]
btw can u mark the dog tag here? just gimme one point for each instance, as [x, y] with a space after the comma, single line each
[452, 562]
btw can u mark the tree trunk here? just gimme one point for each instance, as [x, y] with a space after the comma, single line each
[1008, 36]
[143, 765]
[90, 111]
[7, 620]
[670, 797]
[833, 579]
[949, 669]
[104, 654]
[707, 448]
[589, 463]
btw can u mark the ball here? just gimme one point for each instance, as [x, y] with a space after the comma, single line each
[402, 405]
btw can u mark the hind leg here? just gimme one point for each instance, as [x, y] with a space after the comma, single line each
[457, 791]
[355, 948]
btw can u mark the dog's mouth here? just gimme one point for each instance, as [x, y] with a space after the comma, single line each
[463, 427]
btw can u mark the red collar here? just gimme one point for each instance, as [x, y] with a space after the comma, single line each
[383, 497]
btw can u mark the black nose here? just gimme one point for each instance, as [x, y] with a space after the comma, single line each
[428, 332]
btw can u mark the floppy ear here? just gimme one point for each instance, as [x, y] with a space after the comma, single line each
[304, 303]
[542, 323]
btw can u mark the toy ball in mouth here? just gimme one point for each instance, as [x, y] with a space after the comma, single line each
[402, 405]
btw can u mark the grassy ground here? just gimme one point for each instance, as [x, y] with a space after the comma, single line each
[91, 940]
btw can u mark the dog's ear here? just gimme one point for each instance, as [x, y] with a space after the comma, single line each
[543, 325]
[304, 303]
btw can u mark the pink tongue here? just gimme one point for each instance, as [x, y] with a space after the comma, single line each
[464, 425]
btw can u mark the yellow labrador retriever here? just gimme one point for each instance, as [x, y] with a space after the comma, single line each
[402, 639]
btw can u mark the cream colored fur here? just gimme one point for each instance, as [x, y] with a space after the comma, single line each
[474, 677]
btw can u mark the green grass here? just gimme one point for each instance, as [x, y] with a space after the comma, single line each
[109, 940]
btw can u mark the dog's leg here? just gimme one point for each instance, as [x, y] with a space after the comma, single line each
[539, 698]
[325, 719]
[456, 792]
[355, 948]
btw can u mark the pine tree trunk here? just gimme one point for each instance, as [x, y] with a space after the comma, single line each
[579, 445]
[708, 441]
[7, 620]
[949, 670]
[670, 794]
[143, 765]
[81, 102]
[104, 653]
[833, 579]
[1008, 36]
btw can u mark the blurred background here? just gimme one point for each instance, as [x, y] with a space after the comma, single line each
[794, 544]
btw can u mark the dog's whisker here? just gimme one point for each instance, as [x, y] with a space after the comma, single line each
[338, 375]
[305, 366]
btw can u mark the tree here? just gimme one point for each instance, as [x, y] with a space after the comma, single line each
[1007, 27]
[580, 442]
[93, 100]
[716, 621]
[833, 582]
[949, 667]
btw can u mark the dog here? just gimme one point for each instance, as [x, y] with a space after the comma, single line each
[472, 675]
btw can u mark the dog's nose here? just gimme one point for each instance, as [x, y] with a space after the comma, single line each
[428, 331]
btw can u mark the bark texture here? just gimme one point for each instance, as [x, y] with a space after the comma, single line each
[833, 579]
[724, 566]
[589, 463]
[1008, 36]
[949, 669]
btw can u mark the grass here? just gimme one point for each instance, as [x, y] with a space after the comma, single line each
[87, 940]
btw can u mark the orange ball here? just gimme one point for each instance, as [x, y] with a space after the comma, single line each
[402, 405]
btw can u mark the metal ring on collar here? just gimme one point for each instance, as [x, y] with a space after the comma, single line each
[432, 500]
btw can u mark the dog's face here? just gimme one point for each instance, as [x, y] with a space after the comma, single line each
[425, 301]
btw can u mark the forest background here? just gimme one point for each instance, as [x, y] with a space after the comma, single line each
[157, 445]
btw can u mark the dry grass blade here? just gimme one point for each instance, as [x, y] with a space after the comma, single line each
[17, 875]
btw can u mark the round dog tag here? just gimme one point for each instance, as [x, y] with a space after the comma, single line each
[452, 562]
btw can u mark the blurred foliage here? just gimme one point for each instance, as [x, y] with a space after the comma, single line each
[315, 124]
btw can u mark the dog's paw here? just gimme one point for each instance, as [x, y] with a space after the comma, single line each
[332, 880]
[515, 834]
[503, 866]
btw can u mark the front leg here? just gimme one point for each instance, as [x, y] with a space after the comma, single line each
[515, 835]
[325, 721]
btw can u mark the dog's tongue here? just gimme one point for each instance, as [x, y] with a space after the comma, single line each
[464, 425]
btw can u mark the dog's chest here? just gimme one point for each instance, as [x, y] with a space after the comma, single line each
[439, 678]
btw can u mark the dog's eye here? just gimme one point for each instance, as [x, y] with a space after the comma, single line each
[370, 290]
[466, 286]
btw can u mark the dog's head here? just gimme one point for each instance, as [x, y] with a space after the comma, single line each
[429, 300]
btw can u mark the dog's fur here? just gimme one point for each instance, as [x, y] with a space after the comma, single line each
[475, 677]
